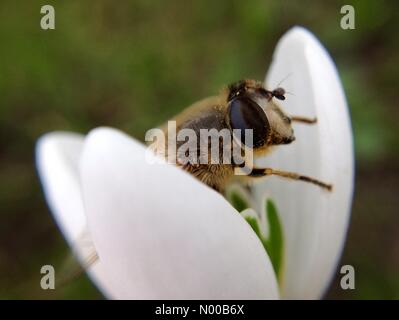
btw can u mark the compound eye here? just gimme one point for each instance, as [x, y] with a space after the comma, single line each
[244, 113]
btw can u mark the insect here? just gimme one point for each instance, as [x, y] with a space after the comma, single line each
[242, 105]
[245, 104]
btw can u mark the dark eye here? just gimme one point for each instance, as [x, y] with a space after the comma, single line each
[244, 113]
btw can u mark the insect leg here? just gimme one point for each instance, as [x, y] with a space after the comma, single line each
[261, 172]
[303, 119]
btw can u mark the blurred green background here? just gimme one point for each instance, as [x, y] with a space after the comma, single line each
[133, 64]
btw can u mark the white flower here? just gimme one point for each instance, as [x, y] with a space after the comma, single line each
[161, 234]
[314, 222]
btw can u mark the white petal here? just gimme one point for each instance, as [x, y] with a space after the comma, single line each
[57, 160]
[57, 156]
[314, 221]
[162, 234]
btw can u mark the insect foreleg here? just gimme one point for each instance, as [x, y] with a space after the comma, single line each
[303, 119]
[261, 172]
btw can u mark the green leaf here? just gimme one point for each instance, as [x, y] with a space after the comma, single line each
[275, 243]
[253, 222]
[238, 200]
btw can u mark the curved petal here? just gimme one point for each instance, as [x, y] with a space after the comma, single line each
[57, 161]
[315, 221]
[57, 156]
[161, 234]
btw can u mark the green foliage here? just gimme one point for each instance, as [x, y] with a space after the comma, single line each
[238, 199]
[274, 243]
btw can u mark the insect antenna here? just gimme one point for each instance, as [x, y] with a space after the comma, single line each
[285, 78]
